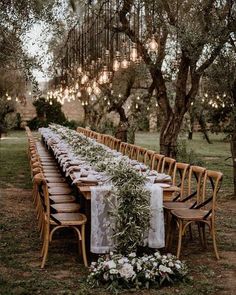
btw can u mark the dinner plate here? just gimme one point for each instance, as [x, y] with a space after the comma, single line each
[164, 185]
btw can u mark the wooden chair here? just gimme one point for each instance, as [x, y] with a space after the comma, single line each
[203, 213]
[122, 147]
[149, 157]
[141, 154]
[194, 190]
[115, 144]
[156, 163]
[53, 222]
[135, 152]
[168, 165]
[185, 201]
[129, 150]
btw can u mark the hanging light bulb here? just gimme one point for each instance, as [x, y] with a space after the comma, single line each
[79, 70]
[89, 90]
[104, 76]
[97, 91]
[8, 97]
[116, 62]
[93, 97]
[136, 106]
[50, 102]
[78, 94]
[84, 79]
[134, 53]
[116, 65]
[76, 86]
[152, 45]
[124, 63]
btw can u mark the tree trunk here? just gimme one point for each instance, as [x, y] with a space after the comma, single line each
[202, 123]
[233, 151]
[122, 129]
[191, 126]
[169, 135]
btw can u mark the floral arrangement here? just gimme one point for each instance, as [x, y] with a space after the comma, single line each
[132, 211]
[117, 272]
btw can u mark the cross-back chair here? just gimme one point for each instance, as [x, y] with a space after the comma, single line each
[168, 165]
[203, 213]
[55, 221]
[156, 163]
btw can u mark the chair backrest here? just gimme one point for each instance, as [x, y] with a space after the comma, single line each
[122, 147]
[168, 165]
[148, 157]
[180, 176]
[141, 154]
[195, 182]
[211, 186]
[156, 163]
[135, 152]
[129, 150]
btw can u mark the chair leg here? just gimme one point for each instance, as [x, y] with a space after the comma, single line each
[190, 232]
[172, 232]
[200, 234]
[168, 231]
[83, 245]
[204, 235]
[214, 241]
[180, 238]
[45, 254]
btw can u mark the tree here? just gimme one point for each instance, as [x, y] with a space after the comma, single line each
[220, 94]
[200, 31]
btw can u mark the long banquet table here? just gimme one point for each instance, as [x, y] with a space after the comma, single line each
[95, 187]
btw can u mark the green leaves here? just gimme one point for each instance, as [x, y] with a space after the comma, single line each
[132, 212]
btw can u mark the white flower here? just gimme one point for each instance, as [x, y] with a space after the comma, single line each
[163, 268]
[170, 264]
[106, 276]
[139, 267]
[157, 255]
[133, 254]
[127, 271]
[123, 260]
[155, 264]
[144, 259]
[177, 266]
[110, 264]
[113, 271]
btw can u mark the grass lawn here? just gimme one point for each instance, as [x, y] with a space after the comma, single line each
[64, 273]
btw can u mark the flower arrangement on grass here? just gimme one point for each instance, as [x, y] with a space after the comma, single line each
[117, 272]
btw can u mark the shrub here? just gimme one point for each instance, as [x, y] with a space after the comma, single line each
[187, 156]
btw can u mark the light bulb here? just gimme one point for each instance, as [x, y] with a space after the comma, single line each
[152, 45]
[89, 90]
[116, 65]
[124, 63]
[84, 79]
[78, 94]
[134, 53]
[97, 90]
[8, 97]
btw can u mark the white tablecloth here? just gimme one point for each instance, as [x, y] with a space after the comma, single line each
[101, 221]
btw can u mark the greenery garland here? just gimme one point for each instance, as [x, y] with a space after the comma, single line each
[132, 211]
